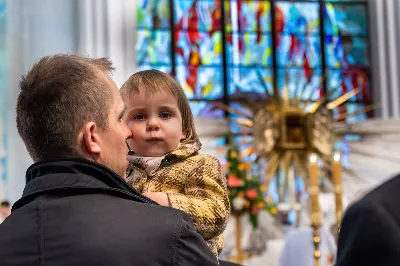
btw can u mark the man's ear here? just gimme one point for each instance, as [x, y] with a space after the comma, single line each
[90, 138]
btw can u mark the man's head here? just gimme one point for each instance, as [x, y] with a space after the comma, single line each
[69, 107]
[5, 209]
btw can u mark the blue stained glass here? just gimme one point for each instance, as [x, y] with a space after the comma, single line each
[299, 50]
[298, 17]
[200, 82]
[248, 16]
[206, 109]
[153, 47]
[235, 127]
[201, 15]
[354, 112]
[220, 147]
[164, 68]
[249, 49]
[344, 51]
[343, 81]
[152, 14]
[249, 80]
[249, 52]
[345, 19]
[243, 143]
[205, 50]
[302, 83]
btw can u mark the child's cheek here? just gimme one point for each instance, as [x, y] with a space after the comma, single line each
[137, 133]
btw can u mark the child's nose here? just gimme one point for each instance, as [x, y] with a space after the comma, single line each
[153, 124]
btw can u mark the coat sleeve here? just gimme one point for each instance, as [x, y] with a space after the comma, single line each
[368, 236]
[191, 249]
[205, 199]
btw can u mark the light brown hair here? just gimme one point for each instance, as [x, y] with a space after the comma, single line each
[154, 81]
[58, 94]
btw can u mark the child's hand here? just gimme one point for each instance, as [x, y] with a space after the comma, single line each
[159, 197]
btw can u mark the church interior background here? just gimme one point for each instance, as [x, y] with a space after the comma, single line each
[289, 95]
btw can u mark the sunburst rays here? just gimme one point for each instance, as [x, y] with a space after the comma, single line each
[288, 128]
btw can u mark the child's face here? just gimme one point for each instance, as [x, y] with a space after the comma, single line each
[155, 122]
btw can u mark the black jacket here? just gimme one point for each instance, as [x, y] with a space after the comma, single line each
[370, 231]
[76, 212]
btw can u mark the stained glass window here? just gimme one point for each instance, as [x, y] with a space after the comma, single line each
[298, 48]
[248, 16]
[153, 47]
[153, 38]
[235, 128]
[206, 109]
[354, 112]
[297, 18]
[200, 82]
[198, 48]
[249, 79]
[249, 49]
[345, 19]
[347, 49]
[342, 81]
[203, 16]
[305, 82]
[299, 51]
[222, 49]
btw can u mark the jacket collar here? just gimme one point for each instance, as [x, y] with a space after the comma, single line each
[181, 153]
[185, 150]
[63, 174]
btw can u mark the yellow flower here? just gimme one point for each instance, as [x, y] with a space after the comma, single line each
[263, 188]
[261, 205]
[244, 166]
[233, 154]
[274, 211]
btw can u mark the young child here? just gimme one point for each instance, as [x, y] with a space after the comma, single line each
[165, 163]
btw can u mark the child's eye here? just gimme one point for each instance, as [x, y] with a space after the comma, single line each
[165, 115]
[138, 117]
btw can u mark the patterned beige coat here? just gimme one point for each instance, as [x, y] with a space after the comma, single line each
[194, 184]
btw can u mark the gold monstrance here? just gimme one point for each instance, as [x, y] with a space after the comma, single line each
[294, 134]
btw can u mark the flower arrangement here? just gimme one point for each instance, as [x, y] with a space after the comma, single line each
[244, 192]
